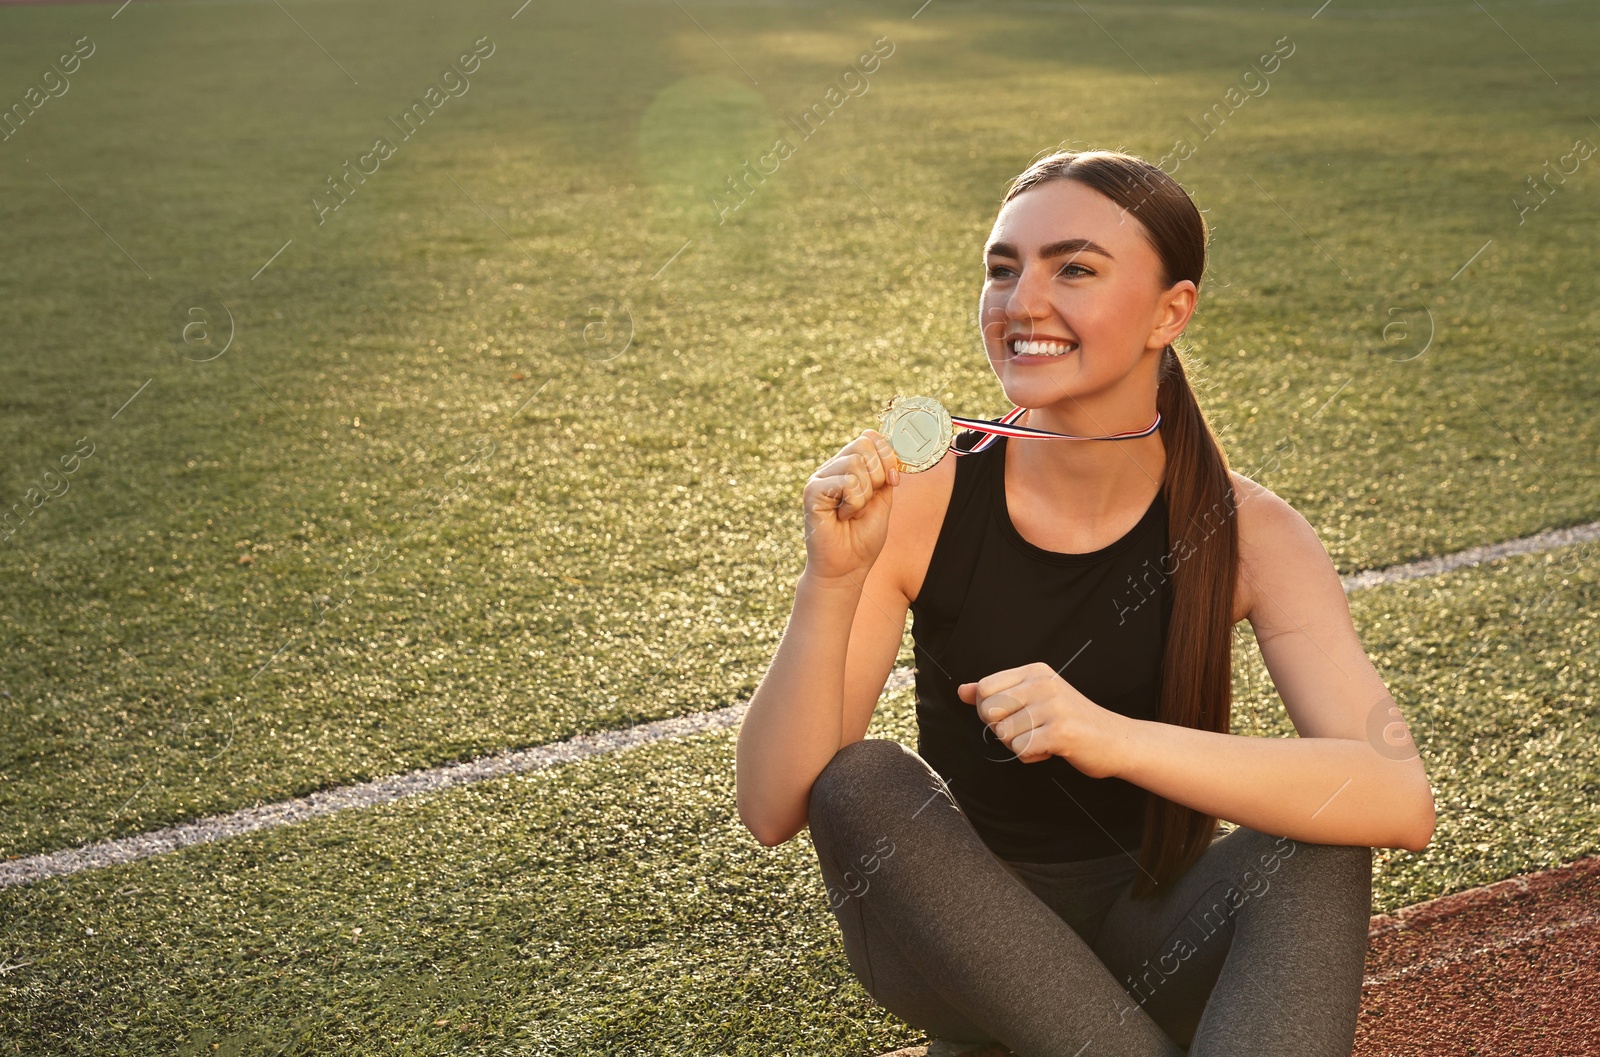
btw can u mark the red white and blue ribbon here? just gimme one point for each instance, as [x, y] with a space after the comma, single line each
[1006, 427]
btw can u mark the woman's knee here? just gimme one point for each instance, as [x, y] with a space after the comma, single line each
[1342, 860]
[1335, 867]
[1343, 868]
[869, 786]
[855, 776]
[1267, 848]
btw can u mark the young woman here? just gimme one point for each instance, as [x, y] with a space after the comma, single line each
[1046, 872]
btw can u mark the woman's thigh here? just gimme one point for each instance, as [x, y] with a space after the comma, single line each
[1078, 892]
[1307, 906]
[943, 932]
[889, 974]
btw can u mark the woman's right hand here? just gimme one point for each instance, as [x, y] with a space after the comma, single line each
[847, 508]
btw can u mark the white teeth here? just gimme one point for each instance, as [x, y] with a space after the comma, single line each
[1042, 348]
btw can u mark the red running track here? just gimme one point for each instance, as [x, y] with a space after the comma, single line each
[1506, 970]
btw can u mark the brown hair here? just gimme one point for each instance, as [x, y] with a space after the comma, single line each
[1197, 667]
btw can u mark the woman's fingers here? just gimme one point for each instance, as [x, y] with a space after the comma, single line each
[992, 690]
[847, 488]
[856, 475]
[864, 461]
[999, 706]
[845, 493]
[885, 464]
[870, 453]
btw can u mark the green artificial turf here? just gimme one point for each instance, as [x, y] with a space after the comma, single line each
[617, 905]
[481, 509]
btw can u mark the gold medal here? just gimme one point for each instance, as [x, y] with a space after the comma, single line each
[919, 430]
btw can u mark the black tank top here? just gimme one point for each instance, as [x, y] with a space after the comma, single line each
[992, 600]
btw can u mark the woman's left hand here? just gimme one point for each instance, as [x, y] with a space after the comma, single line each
[1038, 714]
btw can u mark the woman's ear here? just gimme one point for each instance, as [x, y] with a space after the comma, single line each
[1178, 306]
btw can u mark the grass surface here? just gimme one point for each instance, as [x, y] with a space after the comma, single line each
[511, 445]
[618, 905]
[478, 515]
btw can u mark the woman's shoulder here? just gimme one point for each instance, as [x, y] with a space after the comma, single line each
[1277, 546]
[1264, 515]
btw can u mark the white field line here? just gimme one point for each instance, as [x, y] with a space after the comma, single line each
[383, 790]
[1542, 541]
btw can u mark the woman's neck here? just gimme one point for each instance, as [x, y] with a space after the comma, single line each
[1096, 479]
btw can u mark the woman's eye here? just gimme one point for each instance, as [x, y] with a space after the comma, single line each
[995, 272]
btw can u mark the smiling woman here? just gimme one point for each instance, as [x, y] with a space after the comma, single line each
[1058, 875]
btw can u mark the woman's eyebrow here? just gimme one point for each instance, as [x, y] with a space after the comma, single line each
[1054, 249]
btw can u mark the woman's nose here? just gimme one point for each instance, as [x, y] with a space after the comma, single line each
[1029, 297]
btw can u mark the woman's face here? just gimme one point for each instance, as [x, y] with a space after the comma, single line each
[1067, 265]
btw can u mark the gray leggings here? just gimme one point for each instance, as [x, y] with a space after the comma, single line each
[1258, 950]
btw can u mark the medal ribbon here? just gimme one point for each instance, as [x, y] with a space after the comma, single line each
[1006, 427]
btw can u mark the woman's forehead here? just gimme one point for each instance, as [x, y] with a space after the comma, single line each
[1065, 209]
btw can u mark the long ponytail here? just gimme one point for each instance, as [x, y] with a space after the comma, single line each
[1197, 669]
[1202, 532]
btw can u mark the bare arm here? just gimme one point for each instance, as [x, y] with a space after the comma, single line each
[1325, 790]
[792, 728]
[1354, 776]
[831, 651]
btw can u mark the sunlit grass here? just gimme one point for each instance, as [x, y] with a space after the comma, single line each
[618, 904]
[511, 445]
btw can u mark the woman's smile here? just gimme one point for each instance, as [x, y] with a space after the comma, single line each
[1039, 349]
